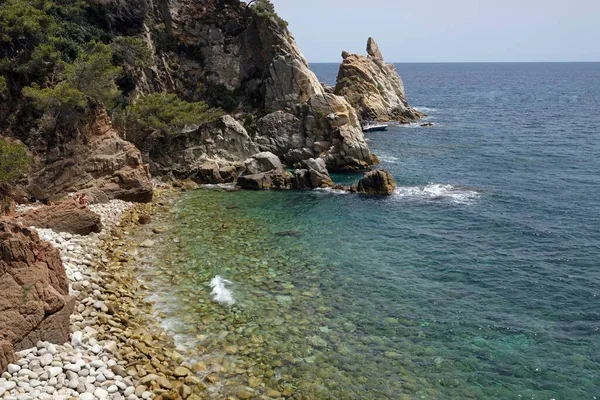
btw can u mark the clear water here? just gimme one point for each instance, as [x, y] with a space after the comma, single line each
[479, 278]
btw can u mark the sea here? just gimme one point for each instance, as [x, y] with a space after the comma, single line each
[478, 278]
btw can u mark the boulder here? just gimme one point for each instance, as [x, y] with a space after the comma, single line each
[93, 156]
[34, 300]
[7, 355]
[373, 87]
[276, 179]
[208, 172]
[225, 141]
[263, 162]
[301, 180]
[379, 182]
[7, 202]
[65, 216]
[318, 174]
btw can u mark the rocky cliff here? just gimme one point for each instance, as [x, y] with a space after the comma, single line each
[373, 87]
[34, 300]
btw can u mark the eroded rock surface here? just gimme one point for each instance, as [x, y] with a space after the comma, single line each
[373, 87]
[95, 158]
[34, 300]
[378, 182]
[65, 216]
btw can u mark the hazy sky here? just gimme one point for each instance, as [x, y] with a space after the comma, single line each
[447, 30]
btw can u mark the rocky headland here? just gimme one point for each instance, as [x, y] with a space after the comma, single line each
[373, 87]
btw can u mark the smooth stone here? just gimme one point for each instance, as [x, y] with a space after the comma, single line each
[86, 396]
[13, 368]
[101, 393]
[46, 359]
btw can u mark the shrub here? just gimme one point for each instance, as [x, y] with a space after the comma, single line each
[264, 8]
[165, 113]
[131, 51]
[62, 98]
[14, 161]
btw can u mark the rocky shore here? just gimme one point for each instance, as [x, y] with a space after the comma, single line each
[115, 350]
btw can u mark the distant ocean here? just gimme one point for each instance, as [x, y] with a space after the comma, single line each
[479, 278]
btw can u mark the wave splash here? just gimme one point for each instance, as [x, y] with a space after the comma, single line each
[437, 191]
[220, 293]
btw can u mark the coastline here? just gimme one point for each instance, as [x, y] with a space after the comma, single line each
[116, 351]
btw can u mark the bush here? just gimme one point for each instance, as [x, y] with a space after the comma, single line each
[264, 8]
[62, 98]
[14, 161]
[131, 51]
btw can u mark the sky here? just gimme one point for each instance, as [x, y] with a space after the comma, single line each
[447, 30]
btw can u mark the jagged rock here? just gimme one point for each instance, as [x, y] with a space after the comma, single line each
[294, 156]
[7, 203]
[208, 172]
[263, 162]
[279, 132]
[95, 158]
[34, 300]
[225, 141]
[7, 354]
[342, 144]
[275, 179]
[317, 171]
[301, 180]
[373, 87]
[65, 216]
[378, 181]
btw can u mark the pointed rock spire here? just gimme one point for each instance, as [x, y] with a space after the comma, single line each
[373, 49]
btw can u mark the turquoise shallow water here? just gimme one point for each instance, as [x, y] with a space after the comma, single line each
[479, 278]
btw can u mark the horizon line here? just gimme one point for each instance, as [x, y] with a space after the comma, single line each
[470, 62]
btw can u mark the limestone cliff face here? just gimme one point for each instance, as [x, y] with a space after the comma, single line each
[373, 87]
[34, 300]
[91, 156]
[249, 63]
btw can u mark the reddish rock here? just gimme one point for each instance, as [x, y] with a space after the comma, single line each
[94, 157]
[66, 216]
[7, 203]
[34, 300]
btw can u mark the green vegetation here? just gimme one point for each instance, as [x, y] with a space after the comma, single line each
[264, 8]
[131, 51]
[14, 161]
[165, 113]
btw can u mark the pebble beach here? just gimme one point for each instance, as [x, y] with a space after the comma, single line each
[115, 352]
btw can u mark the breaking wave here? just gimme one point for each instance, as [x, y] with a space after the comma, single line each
[438, 192]
[426, 109]
[220, 293]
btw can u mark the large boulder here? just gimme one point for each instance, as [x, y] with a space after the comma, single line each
[378, 182]
[373, 87]
[318, 174]
[34, 300]
[279, 132]
[225, 141]
[7, 203]
[263, 162]
[95, 158]
[65, 216]
[275, 179]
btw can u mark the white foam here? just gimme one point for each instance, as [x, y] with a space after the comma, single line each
[218, 186]
[220, 293]
[426, 109]
[438, 191]
[331, 191]
[387, 159]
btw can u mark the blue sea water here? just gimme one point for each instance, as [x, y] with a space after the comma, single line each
[478, 278]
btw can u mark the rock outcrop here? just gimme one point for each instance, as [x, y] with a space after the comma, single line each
[34, 300]
[373, 87]
[276, 179]
[378, 182]
[94, 158]
[318, 174]
[7, 203]
[65, 216]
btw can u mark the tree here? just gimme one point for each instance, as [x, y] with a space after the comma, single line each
[14, 161]
[165, 113]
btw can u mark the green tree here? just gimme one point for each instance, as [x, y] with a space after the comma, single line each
[131, 51]
[165, 113]
[14, 161]
[61, 99]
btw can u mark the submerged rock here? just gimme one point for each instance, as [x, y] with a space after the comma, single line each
[379, 182]
[373, 87]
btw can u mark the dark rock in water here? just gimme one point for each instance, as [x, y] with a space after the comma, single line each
[427, 124]
[319, 176]
[228, 173]
[379, 182]
[65, 216]
[231, 206]
[301, 180]
[208, 172]
[267, 180]
[291, 232]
